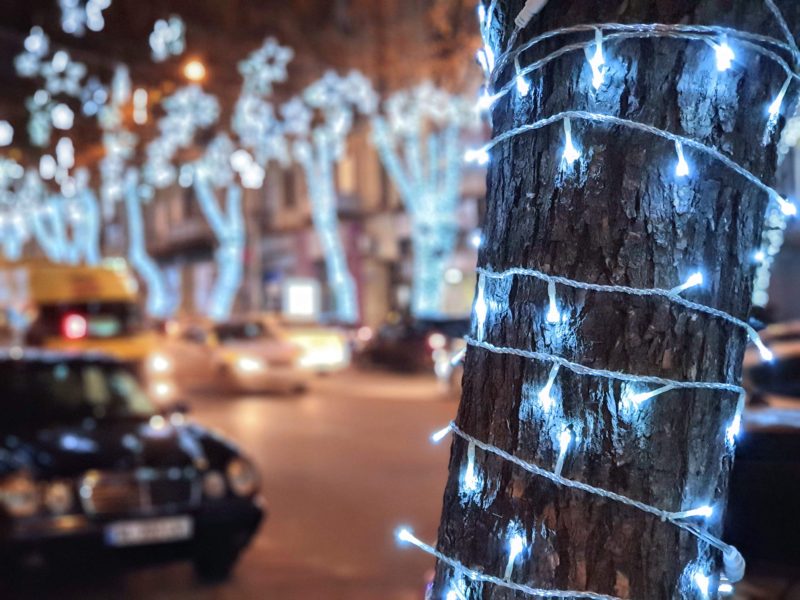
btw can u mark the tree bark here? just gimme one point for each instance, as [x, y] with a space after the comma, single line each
[618, 216]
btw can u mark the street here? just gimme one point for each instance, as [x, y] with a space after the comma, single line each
[342, 466]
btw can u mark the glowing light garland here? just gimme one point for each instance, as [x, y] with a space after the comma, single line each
[15, 228]
[214, 171]
[119, 143]
[77, 17]
[717, 38]
[419, 144]
[168, 38]
[335, 101]
[157, 298]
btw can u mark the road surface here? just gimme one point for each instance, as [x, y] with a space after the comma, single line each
[342, 466]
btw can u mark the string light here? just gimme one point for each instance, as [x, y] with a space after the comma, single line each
[725, 588]
[703, 583]
[419, 141]
[523, 85]
[724, 55]
[470, 481]
[140, 106]
[481, 307]
[775, 107]
[168, 38]
[553, 315]
[545, 397]
[478, 156]
[695, 279]
[564, 440]
[766, 353]
[487, 100]
[598, 60]
[440, 435]
[516, 546]
[703, 511]
[732, 558]
[405, 536]
[571, 153]
[157, 303]
[682, 168]
[734, 429]
[787, 208]
[638, 399]
[657, 292]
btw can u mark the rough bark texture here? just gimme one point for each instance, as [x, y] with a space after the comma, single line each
[619, 216]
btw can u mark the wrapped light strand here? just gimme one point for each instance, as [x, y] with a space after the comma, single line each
[523, 85]
[570, 153]
[724, 56]
[606, 373]
[597, 60]
[553, 315]
[711, 35]
[682, 167]
[545, 394]
[775, 107]
[752, 334]
[564, 441]
[683, 519]
[405, 535]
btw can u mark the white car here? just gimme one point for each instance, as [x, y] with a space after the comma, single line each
[238, 356]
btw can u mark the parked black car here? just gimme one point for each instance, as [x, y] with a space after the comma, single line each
[89, 469]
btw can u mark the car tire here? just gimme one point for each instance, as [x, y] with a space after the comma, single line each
[215, 564]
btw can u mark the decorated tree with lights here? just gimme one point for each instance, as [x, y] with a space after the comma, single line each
[318, 123]
[630, 172]
[420, 144]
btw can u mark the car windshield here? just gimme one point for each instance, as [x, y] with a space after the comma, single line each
[241, 332]
[41, 393]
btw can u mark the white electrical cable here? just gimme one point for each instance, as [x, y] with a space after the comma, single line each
[404, 535]
[690, 32]
[591, 117]
[752, 334]
[677, 518]
[787, 33]
[605, 373]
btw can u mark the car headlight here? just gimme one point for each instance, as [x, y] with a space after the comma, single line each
[58, 497]
[242, 477]
[246, 364]
[19, 496]
[214, 485]
[159, 364]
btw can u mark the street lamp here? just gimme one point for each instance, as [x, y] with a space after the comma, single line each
[194, 70]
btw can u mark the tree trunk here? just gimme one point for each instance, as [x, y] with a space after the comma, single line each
[618, 215]
[319, 167]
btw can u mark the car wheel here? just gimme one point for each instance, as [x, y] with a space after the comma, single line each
[215, 564]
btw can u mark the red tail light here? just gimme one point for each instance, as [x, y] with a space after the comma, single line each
[74, 326]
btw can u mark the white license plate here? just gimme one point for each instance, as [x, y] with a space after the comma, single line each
[149, 531]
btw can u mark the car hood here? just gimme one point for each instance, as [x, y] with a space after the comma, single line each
[118, 445]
